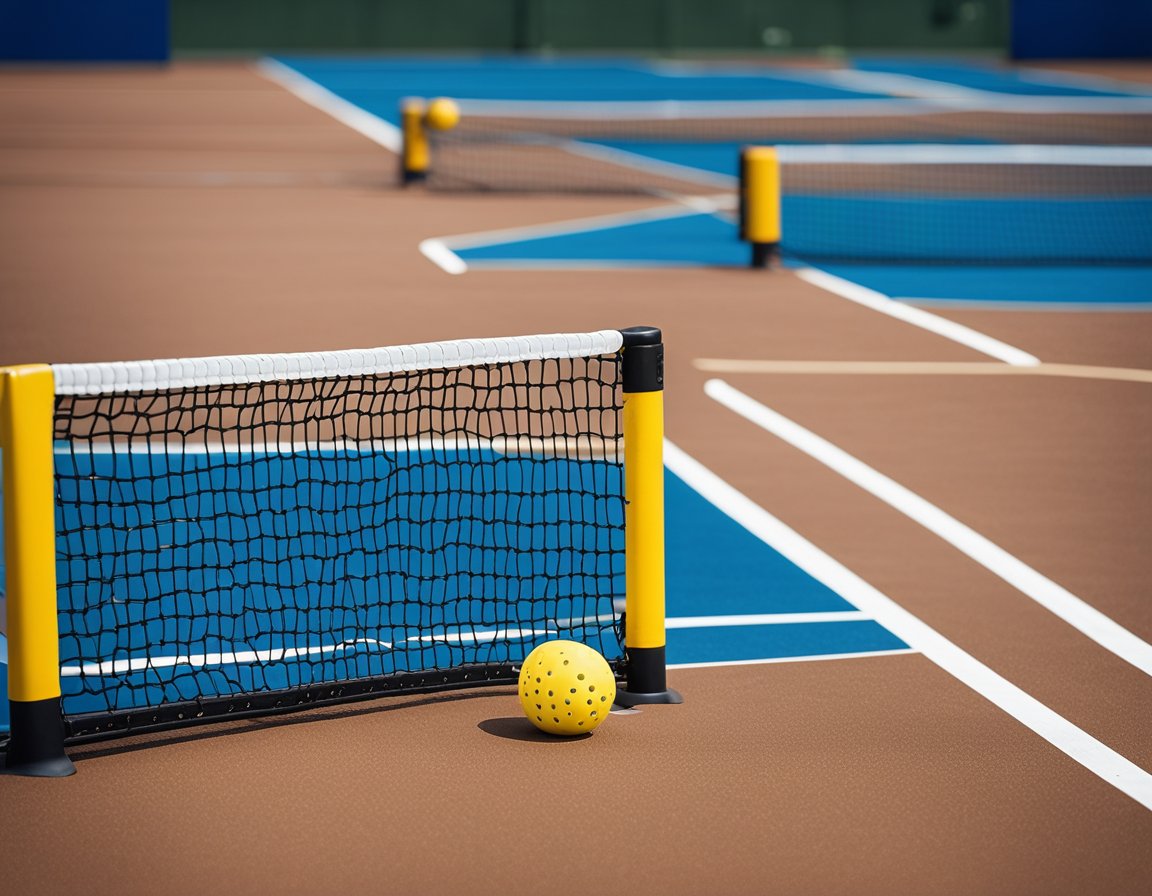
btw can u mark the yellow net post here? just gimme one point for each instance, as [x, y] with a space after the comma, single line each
[36, 744]
[644, 629]
[415, 155]
[760, 203]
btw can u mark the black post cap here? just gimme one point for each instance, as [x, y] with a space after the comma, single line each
[641, 336]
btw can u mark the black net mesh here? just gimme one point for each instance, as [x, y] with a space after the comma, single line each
[239, 548]
[946, 213]
[589, 153]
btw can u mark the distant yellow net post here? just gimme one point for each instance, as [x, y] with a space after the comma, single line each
[416, 120]
[414, 154]
[36, 742]
[760, 203]
[644, 630]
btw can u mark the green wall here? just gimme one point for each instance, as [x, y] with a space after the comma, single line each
[663, 26]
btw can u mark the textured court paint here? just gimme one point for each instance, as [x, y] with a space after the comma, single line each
[1064, 287]
[1098, 758]
[1058, 600]
[870, 298]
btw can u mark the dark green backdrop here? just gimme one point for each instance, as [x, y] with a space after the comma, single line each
[665, 26]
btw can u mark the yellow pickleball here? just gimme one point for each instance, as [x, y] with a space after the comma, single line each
[442, 114]
[566, 688]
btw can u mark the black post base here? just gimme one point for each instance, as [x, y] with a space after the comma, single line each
[412, 177]
[763, 254]
[628, 699]
[36, 747]
[647, 683]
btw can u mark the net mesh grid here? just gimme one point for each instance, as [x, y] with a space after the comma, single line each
[503, 151]
[220, 543]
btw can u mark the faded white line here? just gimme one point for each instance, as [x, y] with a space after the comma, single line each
[812, 658]
[765, 619]
[1095, 756]
[920, 368]
[1079, 614]
[918, 317]
[371, 126]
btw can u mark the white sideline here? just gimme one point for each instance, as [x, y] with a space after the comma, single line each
[918, 317]
[360, 120]
[1080, 746]
[1079, 614]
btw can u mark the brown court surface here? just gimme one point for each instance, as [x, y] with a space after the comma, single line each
[199, 209]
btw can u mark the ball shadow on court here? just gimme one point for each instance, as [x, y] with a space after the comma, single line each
[519, 728]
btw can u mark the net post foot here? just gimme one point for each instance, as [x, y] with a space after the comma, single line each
[647, 683]
[36, 747]
[763, 255]
[628, 699]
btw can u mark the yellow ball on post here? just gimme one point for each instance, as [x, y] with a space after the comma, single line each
[442, 114]
[566, 688]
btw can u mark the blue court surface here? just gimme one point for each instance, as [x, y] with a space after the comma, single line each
[428, 574]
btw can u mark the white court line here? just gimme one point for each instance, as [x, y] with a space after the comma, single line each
[918, 317]
[1079, 614]
[764, 619]
[363, 122]
[441, 251]
[1095, 756]
[682, 208]
[443, 257]
[811, 658]
[904, 85]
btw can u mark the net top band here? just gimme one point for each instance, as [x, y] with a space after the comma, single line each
[186, 373]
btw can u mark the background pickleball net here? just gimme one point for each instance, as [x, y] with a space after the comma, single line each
[238, 545]
[925, 204]
[691, 147]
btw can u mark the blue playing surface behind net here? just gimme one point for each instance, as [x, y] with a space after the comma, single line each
[187, 575]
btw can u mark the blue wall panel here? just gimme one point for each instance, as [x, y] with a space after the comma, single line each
[1082, 29]
[84, 30]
